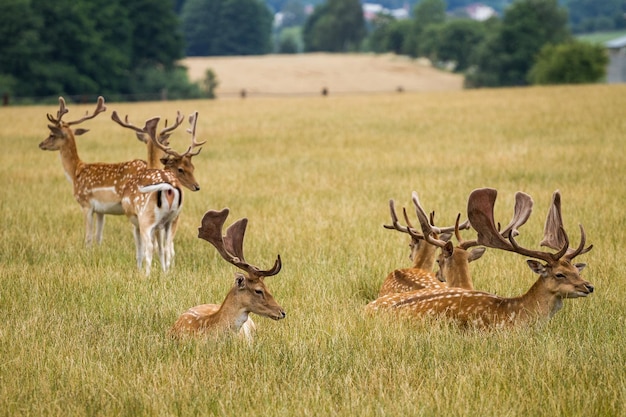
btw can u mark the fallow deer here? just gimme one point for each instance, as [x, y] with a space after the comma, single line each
[153, 199]
[155, 153]
[160, 156]
[249, 294]
[423, 254]
[97, 187]
[558, 277]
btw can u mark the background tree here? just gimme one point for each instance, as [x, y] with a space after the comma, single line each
[573, 62]
[226, 27]
[457, 41]
[335, 26]
[509, 53]
[594, 15]
[426, 13]
[244, 28]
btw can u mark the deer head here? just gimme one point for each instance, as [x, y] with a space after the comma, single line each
[558, 274]
[453, 261]
[422, 253]
[249, 289]
[61, 132]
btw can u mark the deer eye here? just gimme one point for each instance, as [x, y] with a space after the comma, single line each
[560, 275]
[180, 170]
[258, 292]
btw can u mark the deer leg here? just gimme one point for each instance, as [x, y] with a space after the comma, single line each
[138, 246]
[99, 227]
[88, 225]
[147, 236]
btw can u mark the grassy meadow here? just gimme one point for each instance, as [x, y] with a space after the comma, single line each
[84, 333]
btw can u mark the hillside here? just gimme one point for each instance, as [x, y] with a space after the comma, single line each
[310, 73]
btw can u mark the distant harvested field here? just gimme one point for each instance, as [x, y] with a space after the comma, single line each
[310, 73]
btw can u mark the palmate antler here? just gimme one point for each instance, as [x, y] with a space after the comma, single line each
[480, 210]
[230, 246]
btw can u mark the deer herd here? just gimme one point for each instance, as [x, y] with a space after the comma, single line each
[150, 194]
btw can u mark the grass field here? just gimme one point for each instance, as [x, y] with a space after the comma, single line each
[84, 333]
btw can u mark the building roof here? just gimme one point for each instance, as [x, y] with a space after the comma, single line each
[616, 43]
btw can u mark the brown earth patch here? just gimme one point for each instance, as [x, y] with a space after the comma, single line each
[310, 73]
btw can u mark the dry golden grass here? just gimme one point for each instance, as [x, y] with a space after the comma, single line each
[309, 73]
[83, 333]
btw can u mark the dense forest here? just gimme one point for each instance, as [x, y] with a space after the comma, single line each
[130, 50]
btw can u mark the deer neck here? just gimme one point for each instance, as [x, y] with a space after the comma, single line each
[425, 257]
[69, 158]
[457, 270]
[539, 302]
[154, 157]
[231, 314]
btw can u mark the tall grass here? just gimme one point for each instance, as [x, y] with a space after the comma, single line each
[84, 333]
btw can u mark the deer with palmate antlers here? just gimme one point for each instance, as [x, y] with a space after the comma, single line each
[249, 294]
[423, 255]
[558, 277]
[97, 187]
[153, 199]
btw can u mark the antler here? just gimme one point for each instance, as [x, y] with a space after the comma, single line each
[395, 225]
[554, 235]
[192, 120]
[100, 107]
[427, 229]
[480, 208]
[230, 246]
[149, 128]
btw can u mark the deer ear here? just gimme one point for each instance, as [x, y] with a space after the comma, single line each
[476, 253]
[537, 267]
[79, 131]
[580, 266]
[445, 236]
[448, 249]
[240, 281]
[56, 131]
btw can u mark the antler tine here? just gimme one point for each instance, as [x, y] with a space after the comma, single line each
[546, 256]
[193, 119]
[581, 247]
[395, 225]
[463, 244]
[100, 107]
[62, 110]
[427, 228]
[165, 133]
[480, 205]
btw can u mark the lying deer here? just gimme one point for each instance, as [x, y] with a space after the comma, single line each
[97, 187]
[558, 277]
[153, 199]
[423, 254]
[248, 294]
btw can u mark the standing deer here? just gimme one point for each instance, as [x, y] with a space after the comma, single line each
[155, 153]
[248, 294]
[97, 187]
[558, 277]
[423, 255]
[161, 156]
[153, 199]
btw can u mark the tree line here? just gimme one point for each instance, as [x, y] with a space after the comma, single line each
[131, 50]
